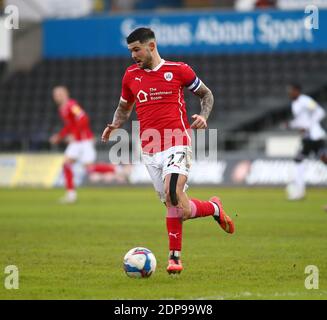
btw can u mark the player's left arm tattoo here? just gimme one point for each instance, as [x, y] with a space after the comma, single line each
[206, 100]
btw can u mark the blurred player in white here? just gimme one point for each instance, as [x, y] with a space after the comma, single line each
[308, 115]
[156, 87]
[78, 135]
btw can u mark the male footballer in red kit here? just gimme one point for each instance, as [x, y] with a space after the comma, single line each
[78, 135]
[156, 86]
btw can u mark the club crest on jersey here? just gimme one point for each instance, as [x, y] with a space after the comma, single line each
[168, 76]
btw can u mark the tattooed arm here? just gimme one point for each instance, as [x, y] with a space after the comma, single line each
[206, 101]
[121, 115]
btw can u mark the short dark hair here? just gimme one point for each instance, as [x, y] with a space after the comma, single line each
[140, 34]
[296, 86]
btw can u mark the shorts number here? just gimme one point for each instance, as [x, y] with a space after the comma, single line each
[172, 156]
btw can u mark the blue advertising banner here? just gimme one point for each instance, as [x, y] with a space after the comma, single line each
[187, 33]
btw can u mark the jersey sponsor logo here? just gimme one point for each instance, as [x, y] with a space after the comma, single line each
[168, 76]
[142, 96]
[138, 78]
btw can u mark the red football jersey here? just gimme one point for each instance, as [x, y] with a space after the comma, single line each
[76, 121]
[160, 105]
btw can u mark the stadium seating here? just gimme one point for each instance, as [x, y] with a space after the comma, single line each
[248, 88]
[2, 68]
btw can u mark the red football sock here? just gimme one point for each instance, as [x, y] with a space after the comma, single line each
[201, 208]
[101, 167]
[68, 173]
[174, 225]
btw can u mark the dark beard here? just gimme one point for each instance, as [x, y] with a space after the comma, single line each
[147, 63]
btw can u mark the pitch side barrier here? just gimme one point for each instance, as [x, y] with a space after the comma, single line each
[45, 170]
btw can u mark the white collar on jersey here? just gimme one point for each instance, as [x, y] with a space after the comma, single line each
[157, 67]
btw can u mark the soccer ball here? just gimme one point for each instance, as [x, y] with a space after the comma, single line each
[139, 262]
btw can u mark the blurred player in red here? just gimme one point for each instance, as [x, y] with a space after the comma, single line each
[78, 135]
[156, 87]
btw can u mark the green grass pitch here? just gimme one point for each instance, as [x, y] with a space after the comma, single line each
[76, 251]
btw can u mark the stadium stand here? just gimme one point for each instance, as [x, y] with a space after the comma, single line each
[249, 91]
[2, 69]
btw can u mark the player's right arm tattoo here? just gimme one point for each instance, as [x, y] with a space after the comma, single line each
[122, 113]
[206, 100]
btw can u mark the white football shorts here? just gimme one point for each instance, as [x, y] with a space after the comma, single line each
[82, 151]
[177, 159]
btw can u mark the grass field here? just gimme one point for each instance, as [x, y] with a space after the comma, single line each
[76, 251]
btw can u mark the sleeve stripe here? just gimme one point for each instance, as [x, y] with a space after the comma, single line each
[133, 69]
[123, 100]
